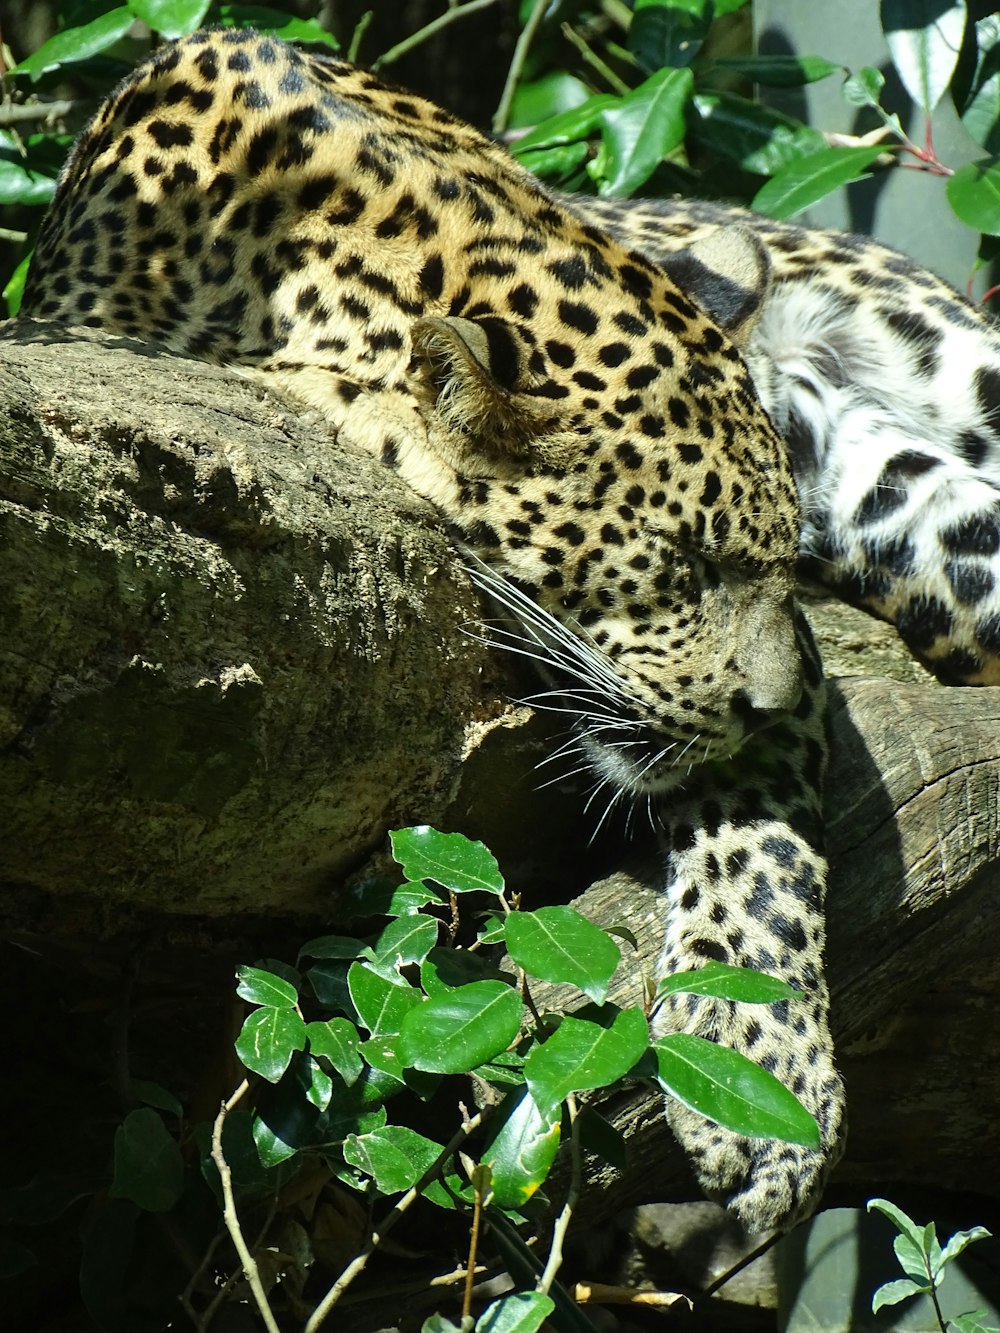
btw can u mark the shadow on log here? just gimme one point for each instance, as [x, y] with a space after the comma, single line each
[232, 656]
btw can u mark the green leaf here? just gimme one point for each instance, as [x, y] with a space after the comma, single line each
[154, 1094]
[521, 1150]
[900, 1220]
[409, 939]
[726, 1087]
[974, 194]
[932, 1249]
[911, 1258]
[149, 1169]
[268, 1039]
[559, 944]
[668, 32]
[260, 987]
[518, 1312]
[395, 1157]
[171, 18]
[503, 1070]
[319, 1086]
[436, 1323]
[277, 968]
[450, 859]
[381, 1004]
[864, 87]
[444, 968]
[728, 983]
[13, 293]
[777, 71]
[382, 897]
[454, 1032]
[566, 128]
[20, 185]
[974, 1322]
[328, 982]
[336, 946]
[582, 1053]
[336, 1040]
[382, 1053]
[555, 163]
[641, 130]
[75, 44]
[623, 933]
[265, 19]
[492, 930]
[981, 116]
[924, 37]
[354, 1110]
[552, 94]
[957, 1243]
[891, 1293]
[272, 1150]
[759, 139]
[812, 178]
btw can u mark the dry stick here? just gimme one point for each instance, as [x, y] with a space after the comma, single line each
[517, 64]
[555, 1258]
[358, 1263]
[598, 1293]
[231, 1217]
[212, 1308]
[430, 30]
[19, 111]
[470, 1272]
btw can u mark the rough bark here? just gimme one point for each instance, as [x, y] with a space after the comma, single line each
[232, 655]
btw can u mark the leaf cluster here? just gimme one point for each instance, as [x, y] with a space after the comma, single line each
[433, 1008]
[661, 103]
[925, 1261]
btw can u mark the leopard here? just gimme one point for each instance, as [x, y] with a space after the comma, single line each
[638, 421]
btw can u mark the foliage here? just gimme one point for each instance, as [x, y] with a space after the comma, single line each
[925, 1263]
[404, 1068]
[650, 96]
[665, 108]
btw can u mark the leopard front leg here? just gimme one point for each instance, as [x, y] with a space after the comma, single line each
[746, 886]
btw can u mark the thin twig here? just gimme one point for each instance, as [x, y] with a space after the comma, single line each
[769, 1240]
[18, 237]
[517, 65]
[358, 1263]
[231, 1217]
[591, 58]
[357, 36]
[15, 112]
[617, 12]
[554, 1261]
[430, 30]
[480, 1187]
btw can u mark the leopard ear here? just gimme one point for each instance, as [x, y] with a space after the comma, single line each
[728, 274]
[467, 371]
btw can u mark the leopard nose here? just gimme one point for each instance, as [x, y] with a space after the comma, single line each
[753, 718]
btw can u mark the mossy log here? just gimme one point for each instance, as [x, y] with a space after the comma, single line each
[232, 655]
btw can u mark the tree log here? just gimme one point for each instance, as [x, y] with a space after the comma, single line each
[233, 654]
